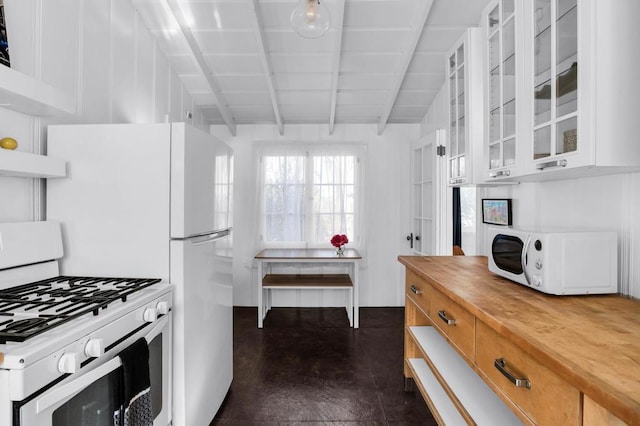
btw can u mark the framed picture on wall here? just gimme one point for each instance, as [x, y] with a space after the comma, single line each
[496, 211]
[4, 43]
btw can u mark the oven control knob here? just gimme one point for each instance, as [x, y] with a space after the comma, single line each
[150, 315]
[94, 348]
[537, 280]
[163, 308]
[69, 363]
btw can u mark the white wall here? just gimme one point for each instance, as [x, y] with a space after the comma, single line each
[385, 207]
[101, 53]
[598, 203]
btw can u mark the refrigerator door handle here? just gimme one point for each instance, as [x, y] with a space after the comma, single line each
[204, 239]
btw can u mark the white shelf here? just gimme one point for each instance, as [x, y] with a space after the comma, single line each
[27, 95]
[438, 397]
[24, 164]
[482, 404]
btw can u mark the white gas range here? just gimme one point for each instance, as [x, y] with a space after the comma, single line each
[60, 336]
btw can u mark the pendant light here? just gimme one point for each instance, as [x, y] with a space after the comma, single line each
[310, 18]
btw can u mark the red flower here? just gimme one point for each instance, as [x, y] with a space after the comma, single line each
[339, 240]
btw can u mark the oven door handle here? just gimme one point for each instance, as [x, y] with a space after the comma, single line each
[77, 385]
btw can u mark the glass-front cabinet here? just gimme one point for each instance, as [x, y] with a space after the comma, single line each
[465, 85]
[562, 88]
[555, 80]
[583, 85]
[503, 102]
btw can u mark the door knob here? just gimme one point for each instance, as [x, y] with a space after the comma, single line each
[410, 239]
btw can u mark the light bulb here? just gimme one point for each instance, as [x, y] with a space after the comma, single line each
[310, 18]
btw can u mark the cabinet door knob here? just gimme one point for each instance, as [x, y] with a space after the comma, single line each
[414, 289]
[501, 365]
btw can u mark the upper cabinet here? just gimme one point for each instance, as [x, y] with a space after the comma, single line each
[502, 21]
[466, 123]
[568, 68]
[555, 85]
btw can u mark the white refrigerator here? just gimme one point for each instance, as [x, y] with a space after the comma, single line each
[154, 200]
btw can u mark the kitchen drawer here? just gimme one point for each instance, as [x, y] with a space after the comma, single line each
[419, 291]
[454, 321]
[542, 396]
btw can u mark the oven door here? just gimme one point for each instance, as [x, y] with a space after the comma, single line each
[90, 397]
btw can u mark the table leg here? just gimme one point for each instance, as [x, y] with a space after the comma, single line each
[350, 305]
[260, 304]
[356, 294]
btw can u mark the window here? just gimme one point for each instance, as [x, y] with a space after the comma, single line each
[308, 197]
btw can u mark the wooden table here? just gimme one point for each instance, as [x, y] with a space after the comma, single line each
[267, 282]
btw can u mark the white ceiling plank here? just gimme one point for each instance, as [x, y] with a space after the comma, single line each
[266, 65]
[175, 9]
[339, 25]
[417, 25]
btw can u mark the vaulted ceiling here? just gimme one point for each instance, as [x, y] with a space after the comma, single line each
[381, 61]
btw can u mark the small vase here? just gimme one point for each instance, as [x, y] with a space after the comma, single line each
[340, 251]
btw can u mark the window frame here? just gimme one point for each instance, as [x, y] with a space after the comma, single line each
[309, 152]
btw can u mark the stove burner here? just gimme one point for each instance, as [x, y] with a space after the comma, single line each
[29, 325]
[30, 309]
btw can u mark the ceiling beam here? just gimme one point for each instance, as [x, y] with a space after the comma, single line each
[339, 25]
[417, 25]
[203, 67]
[266, 66]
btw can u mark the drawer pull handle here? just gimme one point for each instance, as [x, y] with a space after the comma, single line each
[501, 365]
[443, 317]
[414, 289]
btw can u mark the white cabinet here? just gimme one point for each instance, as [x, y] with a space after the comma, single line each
[503, 99]
[576, 89]
[466, 122]
[553, 66]
[582, 80]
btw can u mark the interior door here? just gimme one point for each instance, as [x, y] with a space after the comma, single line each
[428, 195]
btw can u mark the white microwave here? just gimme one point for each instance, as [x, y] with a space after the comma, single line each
[560, 263]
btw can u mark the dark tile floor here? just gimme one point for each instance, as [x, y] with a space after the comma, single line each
[306, 366]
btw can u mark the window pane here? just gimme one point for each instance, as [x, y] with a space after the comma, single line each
[284, 198]
[333, 196]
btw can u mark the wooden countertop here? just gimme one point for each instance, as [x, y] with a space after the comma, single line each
[593, 341]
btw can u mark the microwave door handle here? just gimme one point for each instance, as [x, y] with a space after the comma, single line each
[71, 388]
[523, 259]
